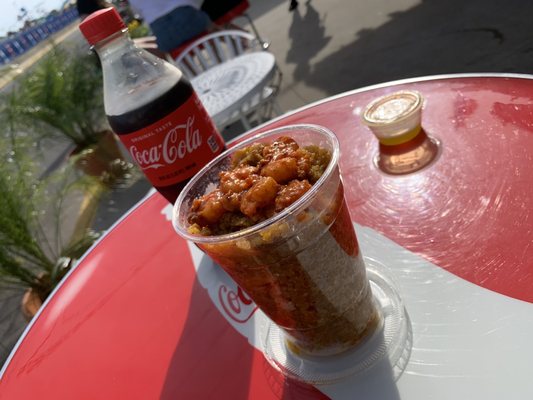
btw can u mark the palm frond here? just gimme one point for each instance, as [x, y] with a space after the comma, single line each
[27, 257]
[63, 94]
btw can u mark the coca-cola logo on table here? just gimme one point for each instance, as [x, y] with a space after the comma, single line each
[178, 142]
[234, 303]
[237, 305]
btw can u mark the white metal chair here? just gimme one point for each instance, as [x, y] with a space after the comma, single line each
[219, 47]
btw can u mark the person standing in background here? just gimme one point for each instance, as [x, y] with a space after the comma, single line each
[173, 22]
[218, 8]
[87, 7]
[293, 5]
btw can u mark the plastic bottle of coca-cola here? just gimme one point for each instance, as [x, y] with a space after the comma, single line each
[152, 107]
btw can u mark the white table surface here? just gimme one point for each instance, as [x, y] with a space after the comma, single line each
[224, 88]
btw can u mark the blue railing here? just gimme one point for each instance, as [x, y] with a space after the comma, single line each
[20, 43]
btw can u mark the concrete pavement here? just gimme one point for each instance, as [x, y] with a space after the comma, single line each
[329, 46]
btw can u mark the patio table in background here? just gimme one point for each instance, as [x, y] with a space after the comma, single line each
[145, 316]
[226, 88]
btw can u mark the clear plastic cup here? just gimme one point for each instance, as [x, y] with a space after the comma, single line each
[395, 118]
[302, 267]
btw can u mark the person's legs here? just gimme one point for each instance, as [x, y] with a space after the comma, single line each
[179, 26]
[293, 5]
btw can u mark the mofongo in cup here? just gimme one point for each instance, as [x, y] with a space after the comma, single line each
[285, 237]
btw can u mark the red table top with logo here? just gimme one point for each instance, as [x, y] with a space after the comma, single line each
[133, 320]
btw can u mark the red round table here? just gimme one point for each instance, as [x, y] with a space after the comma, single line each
[142, 316]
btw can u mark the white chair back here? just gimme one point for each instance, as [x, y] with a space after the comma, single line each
[218, 47]
[213, 49]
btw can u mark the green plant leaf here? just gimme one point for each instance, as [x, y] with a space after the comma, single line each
[29, 253]
[61, 97]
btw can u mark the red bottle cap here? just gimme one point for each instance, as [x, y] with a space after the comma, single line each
[101, 24]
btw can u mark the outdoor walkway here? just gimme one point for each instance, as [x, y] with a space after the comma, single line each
[25, 61]
[331, 46]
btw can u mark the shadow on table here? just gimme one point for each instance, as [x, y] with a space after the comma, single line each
[433, 37]
[213, 360]
[199, 366]
[378, 382]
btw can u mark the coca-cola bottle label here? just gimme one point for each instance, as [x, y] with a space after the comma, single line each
[177, 146]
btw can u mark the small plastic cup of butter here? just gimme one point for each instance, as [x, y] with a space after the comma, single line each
[396, 121]
[396, 118]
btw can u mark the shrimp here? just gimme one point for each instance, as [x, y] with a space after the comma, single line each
[237, 180]
[208, 209]
[282, 170]
[261, 194]
[290, 193]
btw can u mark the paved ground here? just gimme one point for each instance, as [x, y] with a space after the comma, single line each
[330, 46]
